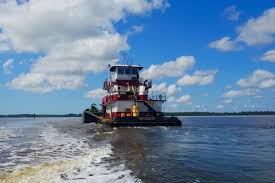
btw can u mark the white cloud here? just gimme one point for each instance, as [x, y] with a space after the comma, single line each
[232, 13]
[224, 44]
[258, 96]
[4, 46]
[252, 85]
[169, 69]
[8, 66]
[64, 69]
[239, 93]
[258, 30]
[219, 107]
[267, 83]
[228, 87]
[198, 78]
[227, 101]
[269, 56]
[43, 83]
[77, 37]
[199, 108]
[184, 99]
[205, 94]
[258, 79]
[96, 93]
[170, 90]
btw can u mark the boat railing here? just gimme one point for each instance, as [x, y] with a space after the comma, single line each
[159, 96]
[145, 82]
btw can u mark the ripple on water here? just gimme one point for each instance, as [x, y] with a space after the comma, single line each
[53, 156]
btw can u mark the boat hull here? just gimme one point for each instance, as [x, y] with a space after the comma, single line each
[144, 121]
[89, 117]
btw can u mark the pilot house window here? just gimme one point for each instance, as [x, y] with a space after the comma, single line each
[120, 70]
[134, 71]
[127, 71]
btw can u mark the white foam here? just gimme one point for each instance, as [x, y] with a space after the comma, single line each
[60, 157]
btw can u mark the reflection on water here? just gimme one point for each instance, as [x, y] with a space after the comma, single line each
[204, 149]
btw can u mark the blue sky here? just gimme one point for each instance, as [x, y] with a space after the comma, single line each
[207, 57]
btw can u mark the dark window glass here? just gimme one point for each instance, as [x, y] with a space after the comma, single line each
[134, 71]
[120, 70]
[127, 71]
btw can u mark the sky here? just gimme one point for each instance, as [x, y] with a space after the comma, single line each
[206, 56]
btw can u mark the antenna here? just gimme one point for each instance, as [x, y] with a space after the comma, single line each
[131, 59]
[109, 72]
[124, 59]
[127, 61]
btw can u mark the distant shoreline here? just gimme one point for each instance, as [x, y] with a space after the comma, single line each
[249, 113]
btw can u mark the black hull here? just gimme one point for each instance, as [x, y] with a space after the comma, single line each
[145, 121]
[89, 117]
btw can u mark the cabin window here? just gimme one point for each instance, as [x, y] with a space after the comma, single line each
[120, 70]
[127, 71]
[134, 71]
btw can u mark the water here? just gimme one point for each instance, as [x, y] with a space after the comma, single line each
[204, 149]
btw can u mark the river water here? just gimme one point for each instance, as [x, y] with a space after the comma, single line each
[204, 149]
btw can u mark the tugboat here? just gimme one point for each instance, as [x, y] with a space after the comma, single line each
[128, 101]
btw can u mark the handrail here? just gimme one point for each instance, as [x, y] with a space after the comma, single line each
[159, 96]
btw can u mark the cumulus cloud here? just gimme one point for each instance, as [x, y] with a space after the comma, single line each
[8, 66]
[184, 99]
[258, 79]
[198, 78]
[96, 93]
[76, 37]
[256, 31]
[174, 68]
[4, 43]
[219, 107]
[199, 108]
[260, 30]
[239, 93]
[227, 101]
[252, 85]
[269, 56]
[170, 90]
[173, 93]
[228, 87]
[232, 13]
[37, 82]
[224, 44]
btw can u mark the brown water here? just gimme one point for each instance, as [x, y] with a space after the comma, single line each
[204, 149]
